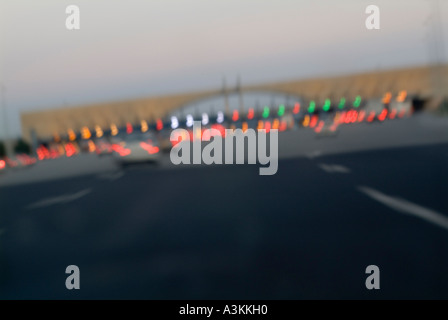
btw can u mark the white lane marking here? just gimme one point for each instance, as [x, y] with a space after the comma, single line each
[405, 206]
[330, 168]
[61, 199]
[111, 176]
[313, 154]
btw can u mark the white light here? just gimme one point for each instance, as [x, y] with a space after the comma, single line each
[174, 122]
[220, 118]
[204, 119]
[190, 120]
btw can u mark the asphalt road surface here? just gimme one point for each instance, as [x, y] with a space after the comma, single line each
[224, 232]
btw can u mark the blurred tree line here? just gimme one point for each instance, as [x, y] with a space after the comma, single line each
[20, 146]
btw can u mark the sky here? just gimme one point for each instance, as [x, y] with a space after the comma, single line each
[137, 48]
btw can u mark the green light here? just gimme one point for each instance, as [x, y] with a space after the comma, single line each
[327, 105]
[281, 110]
[265, 112]
[357, 102]
[312, 106]
[341, 103]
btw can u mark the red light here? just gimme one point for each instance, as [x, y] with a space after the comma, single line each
[319, 127]
[220, 128]
[296, 109]
[69, 150]
[250, 114]
[54, 154]
[235, 115]
[177, 137]
[267, 126]
[334, 126]
[283, 125]
[351, 116]
[382, 115]
[149, 148]
[159, 125]
[129, 128]
[342, 117]
[2, 164]
[354, 116]
[393, 114]
[348, 116]
[313, 121]
[371, 116]
[42, 153]
[361, 115]
[120, 150]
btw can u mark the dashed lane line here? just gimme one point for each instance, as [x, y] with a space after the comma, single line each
[407, 207]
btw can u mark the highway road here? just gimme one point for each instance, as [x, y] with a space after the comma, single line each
[224, 232]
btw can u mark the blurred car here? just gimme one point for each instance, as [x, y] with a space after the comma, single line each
[103, 147]
[25, 160]
[164, 140]
[327, 126]
[16, 162]
[136, 148]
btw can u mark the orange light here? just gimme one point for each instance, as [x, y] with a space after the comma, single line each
[337, 116]
[245, 126]
[387, 97]
[92, 146]
[306, 121]
[402, 96]
[260, 125]
[113, 129]
[99, 131]
[144, 126]
[61, 150]
[85, 133]
[71, 135]
[275, 124]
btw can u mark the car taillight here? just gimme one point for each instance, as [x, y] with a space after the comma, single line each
[149, 148]
[2, 164]
[121, 150]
